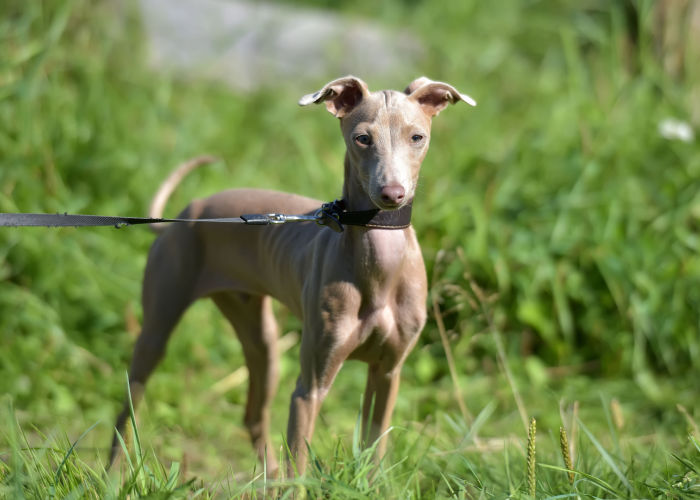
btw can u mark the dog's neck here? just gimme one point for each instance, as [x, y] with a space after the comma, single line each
[377, 254]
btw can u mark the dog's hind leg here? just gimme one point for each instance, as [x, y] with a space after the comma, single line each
[168, 289]
[252, 318]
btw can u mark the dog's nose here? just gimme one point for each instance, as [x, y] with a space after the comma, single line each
[393, 194]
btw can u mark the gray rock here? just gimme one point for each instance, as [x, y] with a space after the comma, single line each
[248, 45]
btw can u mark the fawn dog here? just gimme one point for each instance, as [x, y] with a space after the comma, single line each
[360, 293]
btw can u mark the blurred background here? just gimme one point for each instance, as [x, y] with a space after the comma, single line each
[559, 219]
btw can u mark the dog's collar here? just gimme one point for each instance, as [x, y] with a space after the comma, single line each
[335, 216]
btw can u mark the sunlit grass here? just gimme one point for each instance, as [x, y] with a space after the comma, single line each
[613, 465]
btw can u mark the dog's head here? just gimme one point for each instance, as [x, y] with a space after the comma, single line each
[386, 132]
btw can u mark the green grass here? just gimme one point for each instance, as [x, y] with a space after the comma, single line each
[559, 228]
[448, 460]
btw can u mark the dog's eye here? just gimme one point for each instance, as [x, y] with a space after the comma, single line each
[416, 138]
[363, 140]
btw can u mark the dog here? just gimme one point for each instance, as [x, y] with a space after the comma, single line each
[360, 292]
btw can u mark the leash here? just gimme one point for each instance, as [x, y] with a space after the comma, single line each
[331, 214]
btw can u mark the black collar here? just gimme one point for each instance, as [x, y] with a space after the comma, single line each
[336, 216]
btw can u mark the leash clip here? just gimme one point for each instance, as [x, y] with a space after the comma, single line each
[263, 219]
[276, 218]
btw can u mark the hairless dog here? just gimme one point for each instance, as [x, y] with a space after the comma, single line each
[360, 293]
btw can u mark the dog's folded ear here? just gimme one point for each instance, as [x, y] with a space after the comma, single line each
[341, 95]
[435, 96]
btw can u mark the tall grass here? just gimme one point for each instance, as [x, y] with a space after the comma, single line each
[413, 469]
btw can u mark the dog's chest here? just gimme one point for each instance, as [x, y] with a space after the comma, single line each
[393, 290]
[375, 306]
[379, 259]
[383, 334]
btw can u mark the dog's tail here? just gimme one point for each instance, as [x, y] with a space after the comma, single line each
[168, 186]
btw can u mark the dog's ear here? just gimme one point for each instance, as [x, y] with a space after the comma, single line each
[341, 95]
[433, 97]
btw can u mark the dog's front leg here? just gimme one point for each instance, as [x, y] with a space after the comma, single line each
[303, 410]
[380, 397]
[320, 363]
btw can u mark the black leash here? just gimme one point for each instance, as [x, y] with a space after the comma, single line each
[72, 220]
[331, 214]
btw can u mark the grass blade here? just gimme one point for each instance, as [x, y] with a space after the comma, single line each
[70, 451]
[606, 456]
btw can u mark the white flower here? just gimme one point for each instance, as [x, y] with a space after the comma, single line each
[672, 129]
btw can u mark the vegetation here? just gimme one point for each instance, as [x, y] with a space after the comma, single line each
[559, 227]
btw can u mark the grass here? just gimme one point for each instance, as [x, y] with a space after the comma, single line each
[559, 228]
[449, 464]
